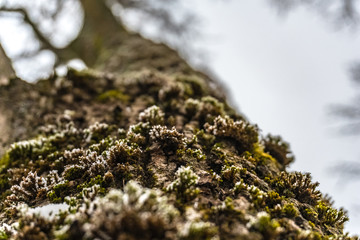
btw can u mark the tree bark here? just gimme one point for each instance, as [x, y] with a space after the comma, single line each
[142, 114]
[6, 70]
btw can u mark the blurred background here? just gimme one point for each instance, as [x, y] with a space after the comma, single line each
[291, 66]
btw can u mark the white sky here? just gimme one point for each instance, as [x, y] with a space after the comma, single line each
[283, 73]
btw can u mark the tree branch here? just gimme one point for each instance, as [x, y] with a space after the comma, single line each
[44, 41]
[63, 54]
[6, 70]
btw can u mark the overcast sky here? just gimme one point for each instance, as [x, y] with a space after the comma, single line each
[283, 74]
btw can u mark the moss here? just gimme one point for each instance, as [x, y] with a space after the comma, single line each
[171, 92]
[200, 230]
[230, 173]
[257, 196]
[112, 95]
[74, 172]
[244, 134]
[218, 151]
[262, 158]
[152, 115]
[3, 235]
[297, 185]
[97, 132]
[239, 186]
[205, 139]
[330, 216]
[122, 152]
[102, 145]
[191, 106]
[98, 181]
[4, 184]
[189, 155]
[290, 210]
[59, 192]
[143, 213]
[310, 214]
[53, 197]
[211, 108]
[168, 139]
[25, 149]
[4, 161]
[268, 227]
[193, 85]
[312, 225]
[273, 199]
[184, 185]
[278, 149]
[208, 161]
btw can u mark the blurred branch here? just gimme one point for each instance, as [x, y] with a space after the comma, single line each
[43, 40]
[355, 72]
[346, 169]
[63, 54]
[6, 69]
[342, 12]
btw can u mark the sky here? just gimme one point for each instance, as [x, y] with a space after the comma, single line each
[283, 73]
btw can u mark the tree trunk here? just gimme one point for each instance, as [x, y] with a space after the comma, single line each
[6, 70]
[142, 115]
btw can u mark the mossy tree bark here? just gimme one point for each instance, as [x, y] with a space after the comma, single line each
[142, 115]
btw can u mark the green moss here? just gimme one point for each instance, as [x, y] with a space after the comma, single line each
[190, 154]
[59, 192]
[102, 145]
[98, 180]
[312, 225]
[258, 197]
[330, 216]
[261, 156]
[4, 176]
[217, 150]
[244, 134]
[4, 161]
[230, 173]
[290, 210]
[193, 86]
[3, 235]
[211, 108]
[53, 197]
[297, 185]
[205, 139]
[279, 149]
[192, 106]
[310, 214]
[4, 182]
[239, 186]
[265, 225]
[184, 186]
[200, 230]
[152, 115]
[74, 172]
[273, 198]
[112, 95]
[221, 165]
[124, 152]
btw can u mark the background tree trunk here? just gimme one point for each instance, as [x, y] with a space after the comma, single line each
[6, 69]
